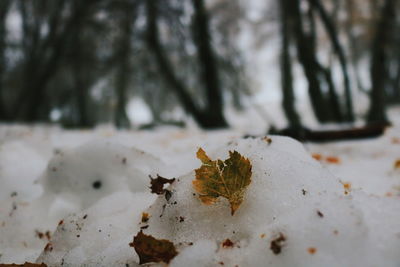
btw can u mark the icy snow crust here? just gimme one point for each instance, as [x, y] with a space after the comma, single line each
[324, 223]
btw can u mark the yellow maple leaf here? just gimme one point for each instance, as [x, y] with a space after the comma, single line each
[218, 178]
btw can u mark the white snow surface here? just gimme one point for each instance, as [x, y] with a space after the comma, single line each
[90, 188]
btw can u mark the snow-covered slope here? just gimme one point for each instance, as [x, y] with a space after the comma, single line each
[77, 198]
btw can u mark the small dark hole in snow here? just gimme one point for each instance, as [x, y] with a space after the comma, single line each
[168, 195]
[97, 184]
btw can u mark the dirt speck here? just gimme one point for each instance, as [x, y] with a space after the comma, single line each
[277, 244]
[320, 214]
[312, 250]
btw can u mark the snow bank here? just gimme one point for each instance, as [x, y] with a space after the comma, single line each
[92, 187]
[290, 195]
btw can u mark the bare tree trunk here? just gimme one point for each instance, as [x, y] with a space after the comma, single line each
[4, 7]
[123, 55]
[209, 69]
[354, 52]
[165, 66]
[288, 102]
[333, 35]
[379, 75]
[307, 57]
[333, 96]
[79, 66]
[396, 80]
[33, 94]
[81, 87]
[206, 118]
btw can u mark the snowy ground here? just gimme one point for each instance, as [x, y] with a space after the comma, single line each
[77, 198]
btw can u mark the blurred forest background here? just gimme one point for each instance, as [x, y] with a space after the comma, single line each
[80, 63]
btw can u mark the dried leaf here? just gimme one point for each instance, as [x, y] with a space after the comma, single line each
[333, 160]
[397, 164]
[218, 178]
[277, 244]
[317, 156]
[267, 139]
[312, 250]
[347, 186]
[157, 184]
[145, 217]
[150, 249]
[227, 243]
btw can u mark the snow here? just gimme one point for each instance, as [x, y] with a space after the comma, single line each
[90, 188]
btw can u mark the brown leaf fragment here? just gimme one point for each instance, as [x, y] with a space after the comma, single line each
[396, 140]
[347, 188]
[48, 247]
[397, 164]
[150, 249]
[145, 217]
[227, 243]
[157, 184]
[277, 244]
[39, 234]
[312, 250]
[26, 264]
[42, 235]
[218, 178]
[317, 156]
[267, 139]
[332, 160]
